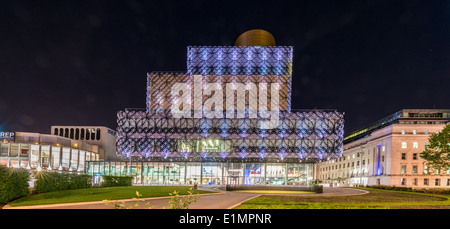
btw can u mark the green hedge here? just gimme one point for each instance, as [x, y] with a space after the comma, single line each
[13, 183]
[394, 188]
[407, 189]
[437, 191]
[110, 181]
[51, 181]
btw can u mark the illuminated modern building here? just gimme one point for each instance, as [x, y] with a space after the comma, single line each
[101, 136]
[387, 152]
[235, 145]
[36, 152]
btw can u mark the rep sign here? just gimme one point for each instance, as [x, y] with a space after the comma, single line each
[8, 136]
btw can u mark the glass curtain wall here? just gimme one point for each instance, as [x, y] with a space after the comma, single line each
[24, 152]
[207, 173]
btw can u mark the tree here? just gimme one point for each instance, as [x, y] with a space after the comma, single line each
[437, 154]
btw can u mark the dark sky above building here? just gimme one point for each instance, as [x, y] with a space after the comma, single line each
[79, 62]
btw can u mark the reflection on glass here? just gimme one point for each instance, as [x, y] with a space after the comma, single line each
[82, 160]
[65, 160]
[45, 156]
[34, 156]
[74, 160]
[56, 157]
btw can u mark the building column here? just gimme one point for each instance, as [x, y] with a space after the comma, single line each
[265, 173]
[223, 174]
[39, 159]
[60, 168]
[9, 155]
[50, 158]
[70, 159]
[201, 172]
[286, 174]
[29, 157]
[142, 171]
[185, 172]
[18, 155]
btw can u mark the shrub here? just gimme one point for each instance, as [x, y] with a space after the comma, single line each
[51, 182]
[111, 181]
[437, 191]
[394, 188]
[13, 183]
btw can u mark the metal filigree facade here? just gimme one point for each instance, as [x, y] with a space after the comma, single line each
[302, 136]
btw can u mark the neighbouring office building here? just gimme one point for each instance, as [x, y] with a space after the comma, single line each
[235, 145]
[387, 152]
[103, 137]
[37, 152]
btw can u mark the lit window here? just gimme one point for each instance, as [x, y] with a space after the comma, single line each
[403, 181]
[426, 132]
[403, 132]
[414, 131]
[425, 169]
[383, 148]
[415, 145]
[403, 145]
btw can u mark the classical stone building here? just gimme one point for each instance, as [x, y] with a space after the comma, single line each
[387, 152]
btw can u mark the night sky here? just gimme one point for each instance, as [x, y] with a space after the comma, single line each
[79, 62]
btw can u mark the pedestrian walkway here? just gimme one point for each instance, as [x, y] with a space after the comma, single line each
[219, 200]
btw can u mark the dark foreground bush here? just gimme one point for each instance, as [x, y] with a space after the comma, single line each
[437, 191]
[111, 181]
[393, 188]
[13, 183]
[51, 182]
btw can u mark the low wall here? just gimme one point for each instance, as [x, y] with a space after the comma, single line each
[313, 188]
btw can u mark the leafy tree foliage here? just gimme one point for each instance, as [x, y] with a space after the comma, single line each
[437, 154]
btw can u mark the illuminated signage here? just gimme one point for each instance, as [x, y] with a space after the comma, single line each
[6, 136]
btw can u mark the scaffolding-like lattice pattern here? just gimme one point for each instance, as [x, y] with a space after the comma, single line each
[300, 135]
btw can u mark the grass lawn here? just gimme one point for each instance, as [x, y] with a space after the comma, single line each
[376, 198]
[99, 194]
